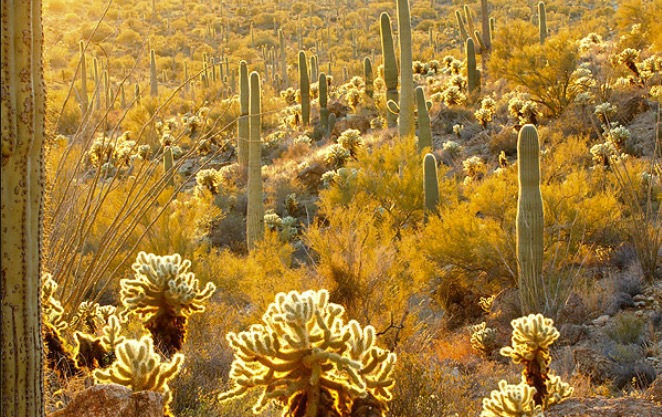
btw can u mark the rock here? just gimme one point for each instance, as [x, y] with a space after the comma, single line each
[113, 401]
[654, 391]
[620, 301]
[641, 374]
[605, 407]
[574, 311]
[594, 364]
[312, 175]
[571, 334]
[601, 321]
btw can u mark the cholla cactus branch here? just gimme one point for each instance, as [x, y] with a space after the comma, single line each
[304, 353]
[511, 401]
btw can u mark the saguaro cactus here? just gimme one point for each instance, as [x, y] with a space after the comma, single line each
[153, 81]
[22, 184]
[323, 98]
[424, 126]
[255, 214]
[97, 85]
[304, 86]
[242, 123]
[83, 79]
[390, 66]
[430, 183]
[473, 81]
[283, 58]
[460, 23]
[367, 74]
[406, 125]
[542, 22]
[167, 166]
[530, 221]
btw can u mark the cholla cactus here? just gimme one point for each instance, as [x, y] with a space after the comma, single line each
[100, 152]
[336, 156]
[457, 130]
[627, 57]
[51, 308]
[289, 96]
[351, 140]
[530, 342]
[483, 338]
[453, 96]
[305, 358]
[58, 353]
[209, 179]
[138, 367]
[511, 401]
[163, 293]
[474, 168]
[618, 136]
[603, 153]
[486, 303]
[523, 111]
[143, 152]
[305, 139]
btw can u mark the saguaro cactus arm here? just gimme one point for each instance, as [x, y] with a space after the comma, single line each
[406, 124]
[390, 66]
[255, 214]
[22, 127]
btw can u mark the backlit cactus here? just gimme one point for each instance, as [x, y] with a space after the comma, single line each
[367, 74]
[423, 116]
[406, 125]
[460, 23]
[473, 77]
[140, 368]
[511, 401]
[530, 222]
[483, 338]
[390, 66]
[542, 22]
[168, 165]
[351, 140]
[323, 99]
[242, 122]
[430, 184]
[255, 211]
[163, 293]
[153, 80]
[304, 87]
[306, 359]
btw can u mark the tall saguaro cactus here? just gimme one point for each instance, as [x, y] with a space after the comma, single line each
[430, 183]
[304, 86]
[390, 66]
[530, 221]
[323, 99]
[283, 58]
[242, 123]
[153, 81]
[406, 125]
[22, 185]
[367, 73]
[83, 79]
[542, 22]
[424, 125]
[473, 80]
[485, 22]
[255, 214]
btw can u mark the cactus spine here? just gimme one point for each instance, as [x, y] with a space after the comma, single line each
[473, 81]
[542, 22]
[153, 81]
[406, 124]
[255, 214]
[167, 166]
[530, 221]
[242, 123]
[304, 86]
[83, 79]
[367, 73]
[22, 185]
[424, 126]
[390, 66]
[323, 98]
[430, 183]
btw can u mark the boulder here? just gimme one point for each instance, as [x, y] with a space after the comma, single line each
[605, 407]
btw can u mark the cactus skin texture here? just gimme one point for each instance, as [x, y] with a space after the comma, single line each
[530, 221]
[406, 125]
[255, 212]
[323, 99]
[22, 185]
[390, 66]
[153, 81]
[305, 88]
[140, 368]
[305, 358]
[430, 183]
[542, 22]
[242, 123]
[424, 126]
[167, 166]
[163, 293]
[473, 78]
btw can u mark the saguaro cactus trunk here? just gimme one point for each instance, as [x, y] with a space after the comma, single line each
[22, 117]
[242, 123]
[255, 214]
[530, 222]
[406, 124]
[390, 66]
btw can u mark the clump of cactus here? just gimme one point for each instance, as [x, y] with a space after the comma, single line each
[306, 359]
[140, 368]
[474, 168]
[98, 352]
[483, 339]
[351, 140]
[485, 114]
[58, 353]
[209, 179]
[453, 96]
[523, 111]
[286, 227]
[511, 401]
[336, 156]
[163, 293]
